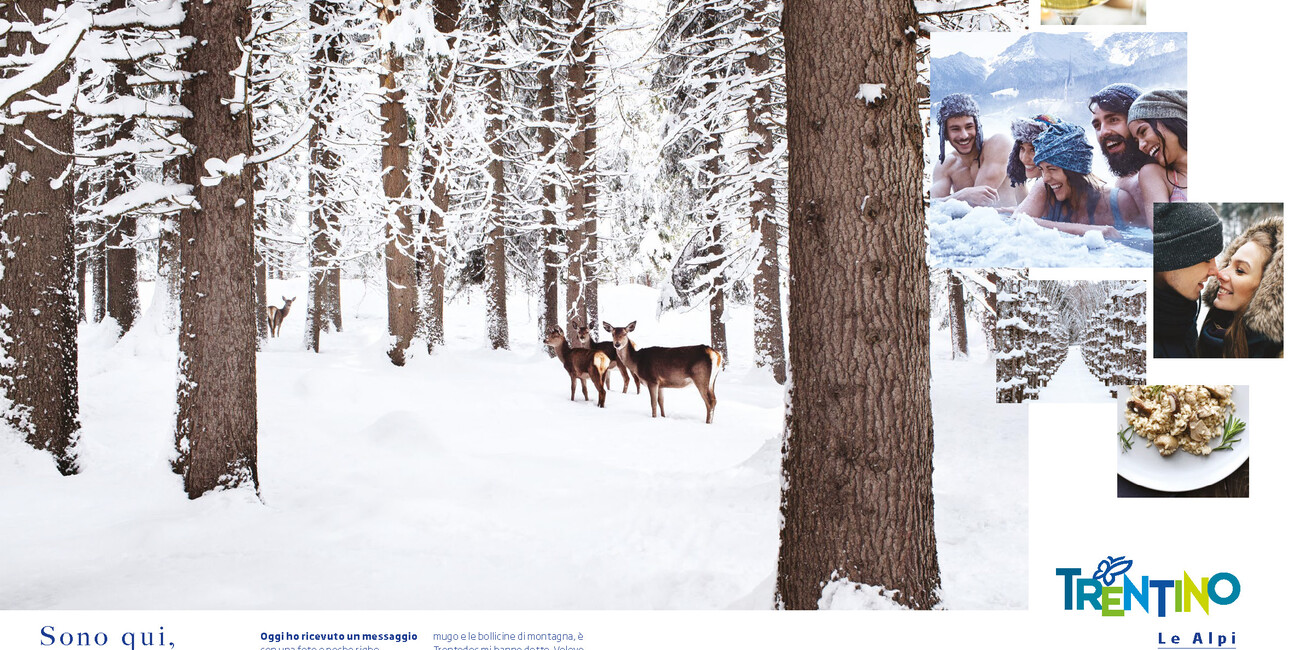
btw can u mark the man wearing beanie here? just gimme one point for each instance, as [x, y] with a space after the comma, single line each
[972, 171]
[1110, 116]
[1188, 238]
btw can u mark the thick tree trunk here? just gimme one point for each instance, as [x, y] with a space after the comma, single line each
[123, 303]
[858, 503]
[498, 331]
[957, 315]
[38, 312]
[216, 416]
[403, 296]
[715, 250]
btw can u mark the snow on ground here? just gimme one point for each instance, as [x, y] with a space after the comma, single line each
[1073, 383]
[960, 236]
[466, 479]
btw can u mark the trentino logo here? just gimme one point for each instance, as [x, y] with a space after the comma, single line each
[1102, 593]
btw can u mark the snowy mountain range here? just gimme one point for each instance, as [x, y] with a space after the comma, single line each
[1059, 72]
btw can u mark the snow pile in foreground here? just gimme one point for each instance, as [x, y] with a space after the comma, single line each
[844, 594]
[465, 480]
[961, 236]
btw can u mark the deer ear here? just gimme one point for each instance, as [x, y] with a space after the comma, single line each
[607, 327]
[575, 324]
[631, 326]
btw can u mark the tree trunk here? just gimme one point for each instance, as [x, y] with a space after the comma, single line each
[216, 416]
[321, 248]
[123, 293]
[957, 315]
[858, 503]
[498, 331]
[715, 250]
[579, 234]
[99, 272]
[38, 312]
[769, 324]
[437, 115]
[403, 296]
[550, 223]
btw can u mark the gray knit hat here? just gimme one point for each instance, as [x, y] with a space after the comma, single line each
[1157, 104]
[952, 106]
[1185, 234]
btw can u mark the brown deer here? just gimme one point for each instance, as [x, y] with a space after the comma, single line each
[582, 364]
[275, 315]
[584, 340]
[670, 368]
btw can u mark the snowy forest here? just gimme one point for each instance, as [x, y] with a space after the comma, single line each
[266, 265]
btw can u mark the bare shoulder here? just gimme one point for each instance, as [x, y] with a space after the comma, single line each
[998, 143]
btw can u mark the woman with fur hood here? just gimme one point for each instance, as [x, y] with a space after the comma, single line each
[1245, 298]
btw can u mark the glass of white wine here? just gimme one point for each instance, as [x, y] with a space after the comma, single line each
[1069, 10]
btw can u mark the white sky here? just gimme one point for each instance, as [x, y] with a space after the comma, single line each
[986, 45]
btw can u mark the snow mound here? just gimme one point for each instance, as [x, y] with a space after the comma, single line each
[845, 594]
[983, 238]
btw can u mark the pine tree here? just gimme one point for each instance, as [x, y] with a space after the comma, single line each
[857, 502]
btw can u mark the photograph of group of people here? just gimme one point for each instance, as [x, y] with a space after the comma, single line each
[1217, 293]
[1077, 133]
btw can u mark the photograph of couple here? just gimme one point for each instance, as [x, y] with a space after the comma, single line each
[1212, 300]
[1080, 143]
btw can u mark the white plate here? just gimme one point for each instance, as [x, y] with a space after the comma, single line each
[1182, 471]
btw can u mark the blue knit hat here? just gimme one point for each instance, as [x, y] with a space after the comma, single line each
[1064, 145]
[1128, 91]
[952, 106]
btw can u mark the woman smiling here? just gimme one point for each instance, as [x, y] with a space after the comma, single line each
[1245, 298]
[1069, 197]
[1158, 121]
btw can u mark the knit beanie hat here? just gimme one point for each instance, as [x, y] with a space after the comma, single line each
[1185, 234]
[1122, 94]
[1064, 145]
[952, 106]
[1159, 104]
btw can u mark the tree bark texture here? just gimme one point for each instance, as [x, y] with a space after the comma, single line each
[123, 289]
[403, 296]
[858, 502]
[498, 331]
[715, 250]
[321, 249]
[216, 418]
[38, 308]
[957, 315]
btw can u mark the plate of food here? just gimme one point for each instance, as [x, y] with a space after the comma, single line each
[1178, 438]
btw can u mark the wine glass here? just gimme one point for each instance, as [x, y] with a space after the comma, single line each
[1069, 10]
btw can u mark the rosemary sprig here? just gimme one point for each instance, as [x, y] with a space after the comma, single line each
[1127, 440]
[1232, 428]
[1157, 390]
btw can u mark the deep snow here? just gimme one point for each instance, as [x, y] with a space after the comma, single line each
[962, 237]
[466, 479]
[1073, 383]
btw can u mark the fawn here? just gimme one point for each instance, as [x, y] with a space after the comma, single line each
[584, 340]
[275, 315]
[582, 364]
[670, 368]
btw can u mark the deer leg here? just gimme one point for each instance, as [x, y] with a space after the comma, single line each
[660, 394]
[653, 389]
[623, 369]
[707, 396]
[584, 389]
[573, 387]
[600, 387]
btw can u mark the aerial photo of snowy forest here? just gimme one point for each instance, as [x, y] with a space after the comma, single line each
[550, 304]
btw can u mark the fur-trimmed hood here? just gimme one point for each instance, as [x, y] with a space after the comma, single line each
[1264, 313]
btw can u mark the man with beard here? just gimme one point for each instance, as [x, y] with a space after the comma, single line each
[1188, 238]
[965, 176]
[1110, 121]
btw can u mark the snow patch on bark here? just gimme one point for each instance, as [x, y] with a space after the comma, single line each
[842, 593]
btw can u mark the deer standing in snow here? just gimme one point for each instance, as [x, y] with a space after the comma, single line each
[582, 364]
[275, 315]
[584, 340]
[663, 368]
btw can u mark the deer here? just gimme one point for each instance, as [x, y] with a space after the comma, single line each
[582, 364]
[675, 367]
[584, 340]
[275, 315]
